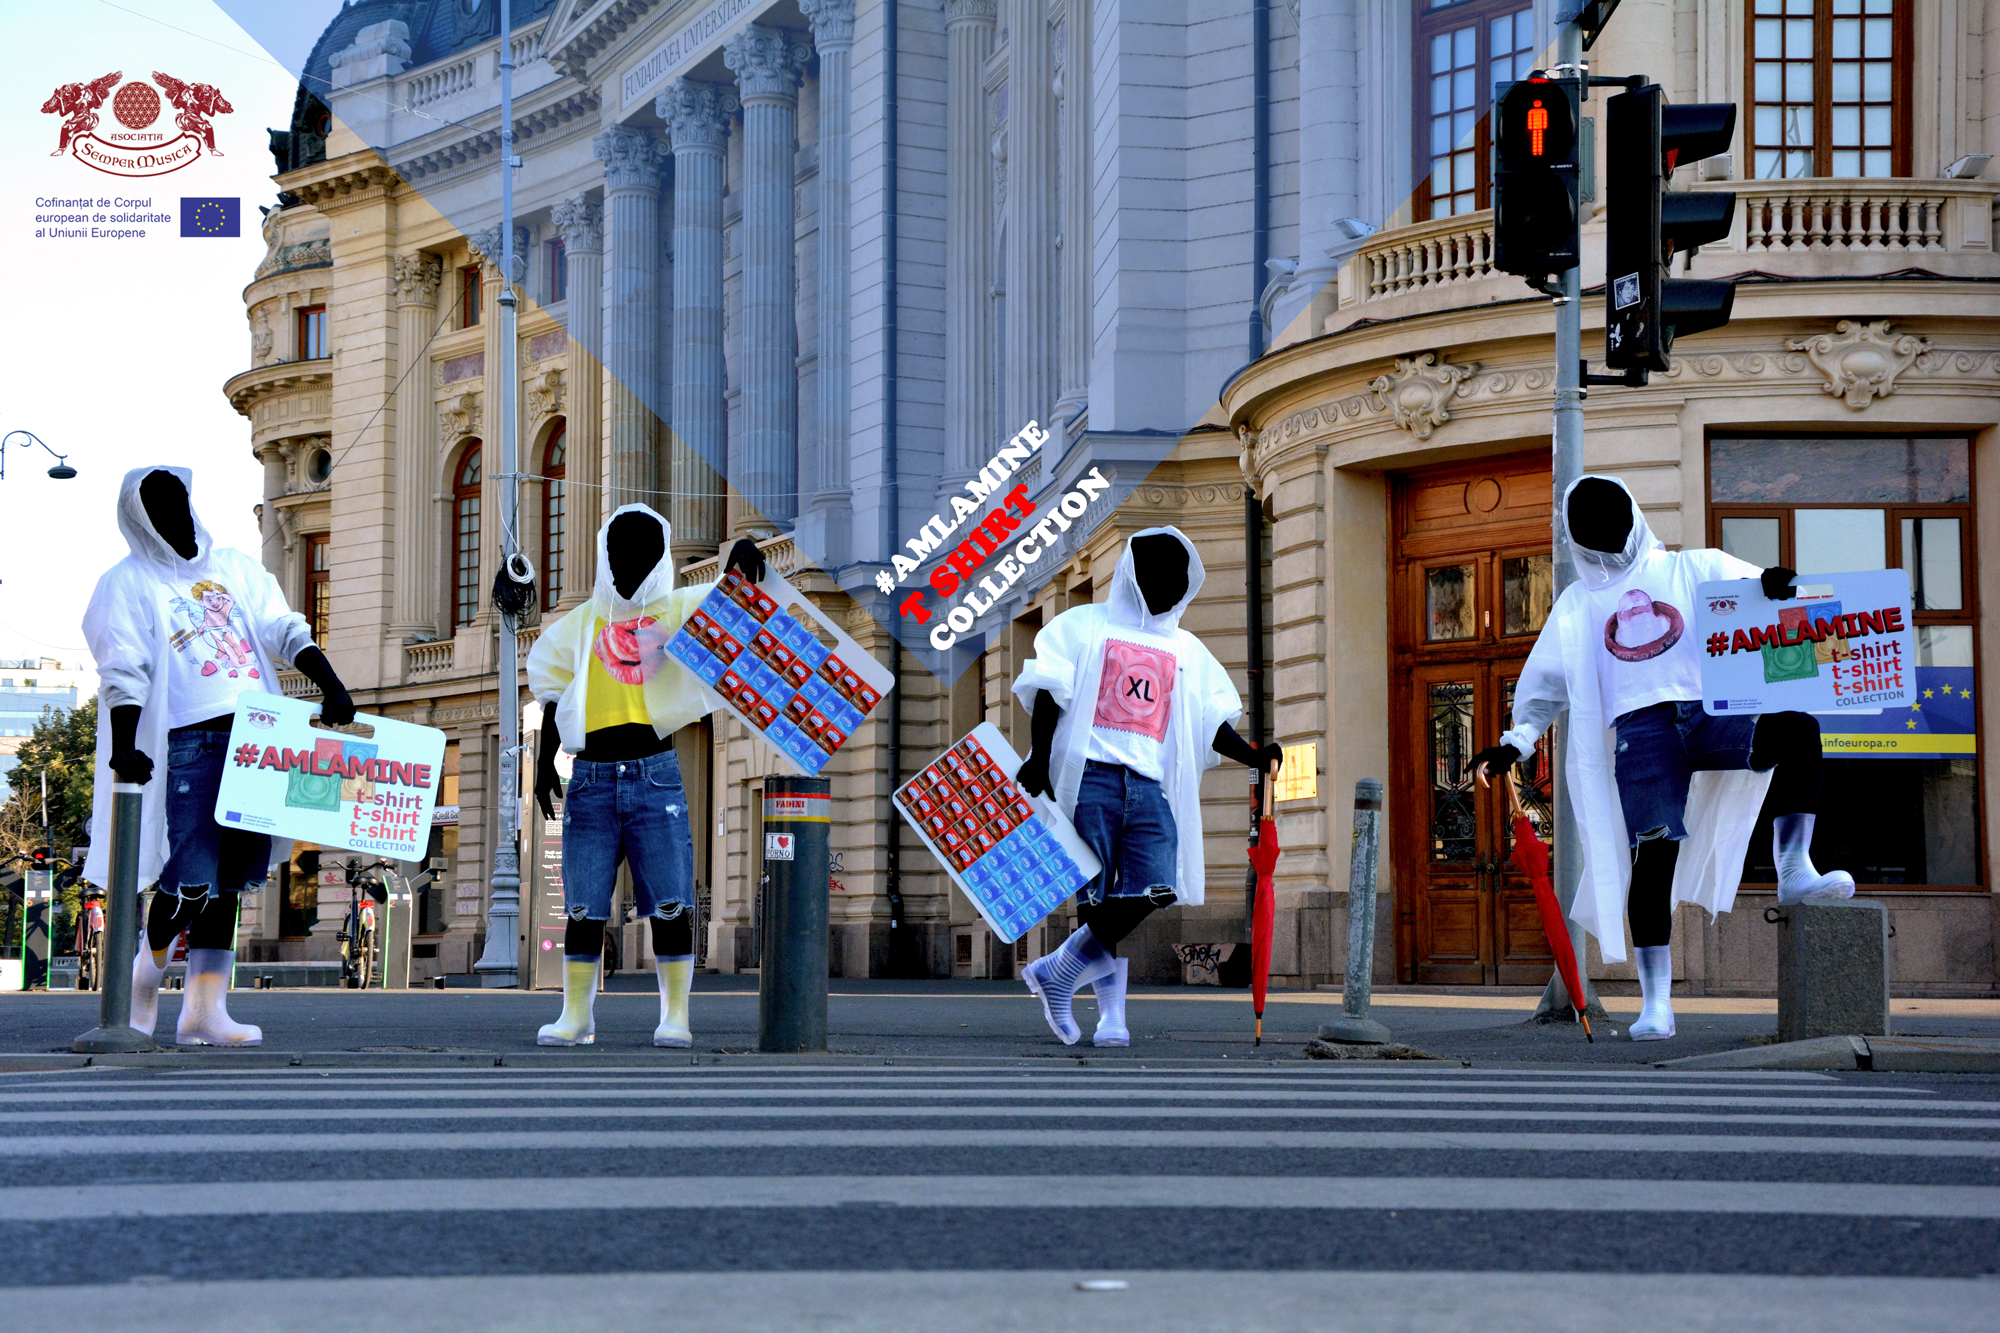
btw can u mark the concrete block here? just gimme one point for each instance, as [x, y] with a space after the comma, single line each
[1833, 969]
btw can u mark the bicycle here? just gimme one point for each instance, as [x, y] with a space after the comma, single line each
[90, 942]
[357, 937]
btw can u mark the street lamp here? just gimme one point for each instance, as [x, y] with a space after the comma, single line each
[62, 471]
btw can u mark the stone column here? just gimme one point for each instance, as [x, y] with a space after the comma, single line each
[414, 595]
[1031, 243]
[1072, 90]
[631, 332]
[582, 225]
[968, 247]
[697, 117]
[766, 62]
[1329, 178]
[832, 501]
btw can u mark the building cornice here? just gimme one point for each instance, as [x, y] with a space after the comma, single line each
[593, 32]
[443, 152]
[247, 388]
[329, 186]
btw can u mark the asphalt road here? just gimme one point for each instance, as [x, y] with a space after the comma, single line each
[1295, 1195]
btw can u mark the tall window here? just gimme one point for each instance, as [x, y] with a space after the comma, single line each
[555, 514]
[318, 599]
[558, 271]
[1900, 803]
[468, 296]
[1463, 49]
[1830, 88]
[465, 538]
[312, 333]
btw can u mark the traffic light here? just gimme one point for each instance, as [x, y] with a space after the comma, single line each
[1645, 139]
[1535, 180]
[38, 860]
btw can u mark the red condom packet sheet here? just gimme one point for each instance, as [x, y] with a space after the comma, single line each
[1015, 855]
[761, 647]
[369, 788]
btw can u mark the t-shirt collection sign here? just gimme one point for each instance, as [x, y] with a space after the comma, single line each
[1015, 855]
[754, 644]
[371, 790]
[1843, 645]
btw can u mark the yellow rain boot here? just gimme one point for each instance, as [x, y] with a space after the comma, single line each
[578, 1024]
[676, 978]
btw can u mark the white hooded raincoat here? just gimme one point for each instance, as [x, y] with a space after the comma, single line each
[130, 627]
[1562, 672]
[1069, 662]
[557, 664]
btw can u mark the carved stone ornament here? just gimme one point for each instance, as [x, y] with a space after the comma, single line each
[767, 63]
[697, 114]
[545, 394]
[1419, 391]
[1860, 361]
[458, 417]
[631, 159]
[416, 276]
[581, 223]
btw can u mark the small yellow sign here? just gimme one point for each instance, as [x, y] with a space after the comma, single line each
[1298, 776]
[1888, 743]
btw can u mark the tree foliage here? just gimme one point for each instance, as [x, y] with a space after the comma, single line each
[64, 745]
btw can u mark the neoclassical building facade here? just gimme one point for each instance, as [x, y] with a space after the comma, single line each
[795, 269]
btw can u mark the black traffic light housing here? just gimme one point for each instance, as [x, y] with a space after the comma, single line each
[38, 859]
[1535, 180]
[1645, 139]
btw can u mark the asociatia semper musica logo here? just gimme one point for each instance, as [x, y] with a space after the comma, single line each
[136, 148]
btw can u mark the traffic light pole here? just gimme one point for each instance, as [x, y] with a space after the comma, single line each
[1565, 466]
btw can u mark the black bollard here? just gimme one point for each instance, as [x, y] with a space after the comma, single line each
[114, 1030]
[791, 978]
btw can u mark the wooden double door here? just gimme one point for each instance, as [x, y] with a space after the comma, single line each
[1471, 586]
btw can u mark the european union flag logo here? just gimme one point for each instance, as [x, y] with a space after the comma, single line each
[211, 217]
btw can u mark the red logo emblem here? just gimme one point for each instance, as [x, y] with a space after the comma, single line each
[138, 149]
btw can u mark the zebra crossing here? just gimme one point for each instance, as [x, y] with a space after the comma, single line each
[981, 1195]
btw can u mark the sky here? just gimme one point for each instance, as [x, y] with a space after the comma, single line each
[115, 351]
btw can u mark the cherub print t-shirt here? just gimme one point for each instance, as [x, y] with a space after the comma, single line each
[1135, 698]
[214, 658]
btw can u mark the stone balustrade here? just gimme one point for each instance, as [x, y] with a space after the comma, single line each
[436, 83]
[1440, 253]
[427, 659]
[1889, 214]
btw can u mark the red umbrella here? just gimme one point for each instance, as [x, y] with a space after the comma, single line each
[1531, 854]
[1264, 860]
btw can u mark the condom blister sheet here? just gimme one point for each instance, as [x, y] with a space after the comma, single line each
[763, 648]
[1016, 856]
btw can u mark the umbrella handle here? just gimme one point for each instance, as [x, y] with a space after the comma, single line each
[1270, 785]
[1514, 796]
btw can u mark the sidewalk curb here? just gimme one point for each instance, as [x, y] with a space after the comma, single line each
[1902, 1055]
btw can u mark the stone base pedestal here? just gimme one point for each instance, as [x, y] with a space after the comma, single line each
[1833, 969]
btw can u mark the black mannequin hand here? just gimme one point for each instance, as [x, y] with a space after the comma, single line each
[1494, 762]
[1271, 757]
[1232, 746]
[128, 762]
[336, 705]
[1777, 581]
[547, 784]
[1033, 774]
[745, 556]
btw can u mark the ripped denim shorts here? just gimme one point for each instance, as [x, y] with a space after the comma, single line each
[633, 809]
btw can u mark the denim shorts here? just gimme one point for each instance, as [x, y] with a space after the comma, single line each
[633, 809]
[205, 858]
[1660, 749]
[1125, 820]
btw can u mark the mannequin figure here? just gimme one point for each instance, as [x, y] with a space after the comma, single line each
[613, 698]
[1620, 652]
[180, 630]
[1128, 710]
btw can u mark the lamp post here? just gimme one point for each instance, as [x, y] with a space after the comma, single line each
[62, 471]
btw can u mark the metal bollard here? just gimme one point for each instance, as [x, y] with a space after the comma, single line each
[791, 976]
[114, 1030]
[1354, 1026]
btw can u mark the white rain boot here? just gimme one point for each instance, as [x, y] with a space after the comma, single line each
[205, 1019]
[1656, 991]
[1798, 878]
[1110, 992]
[1055, 978]
[676, 978]
[578, 1024]
[149, 969]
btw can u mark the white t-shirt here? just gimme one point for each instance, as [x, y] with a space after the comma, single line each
[1643, 628]
[1135, 699]
[213, 657]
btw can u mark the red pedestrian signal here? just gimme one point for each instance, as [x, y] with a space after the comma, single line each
[1535, 180]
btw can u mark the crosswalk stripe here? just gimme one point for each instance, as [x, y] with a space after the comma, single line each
[264, 1198]
[167, 1144]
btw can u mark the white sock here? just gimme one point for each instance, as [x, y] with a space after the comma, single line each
[1656, 991]
[1791, 848]
[578, 1024]
[676, 979]
[149, 969]
[205, 1019]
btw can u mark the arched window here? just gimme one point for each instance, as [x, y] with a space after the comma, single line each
[555, 516]
[465, 538]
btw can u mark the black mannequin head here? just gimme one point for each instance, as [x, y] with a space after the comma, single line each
[166, 502]
[1600, 515]
[1161, 564]
[635, 545]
